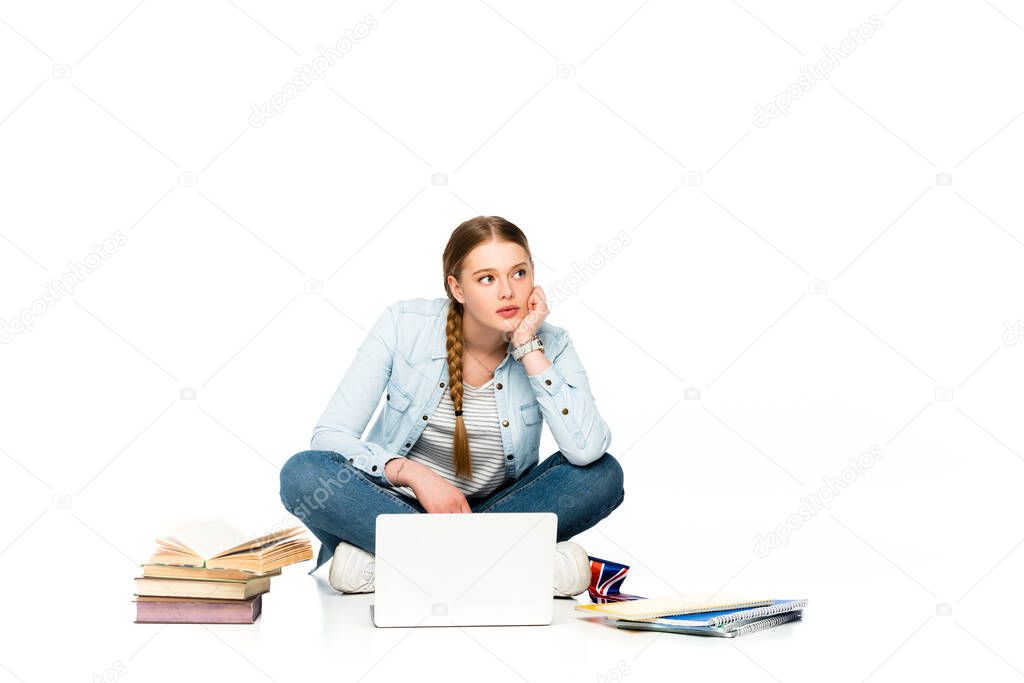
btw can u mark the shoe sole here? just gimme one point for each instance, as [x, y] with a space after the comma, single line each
[349, 561]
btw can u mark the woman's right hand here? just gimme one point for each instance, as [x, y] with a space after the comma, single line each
[435, 494]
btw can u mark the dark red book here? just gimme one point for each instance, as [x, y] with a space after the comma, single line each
[162, 610]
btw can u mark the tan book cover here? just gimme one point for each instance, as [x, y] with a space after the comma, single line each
[184, 588]
[171, 571]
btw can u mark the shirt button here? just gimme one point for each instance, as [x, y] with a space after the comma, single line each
[424, 417]
[351, 460]
[510, 457]
[504, 423]
[374, 468]
[407, 445]
[442, 385]
[547, 381]
[498, 385]
[388, 397]
[565, 411]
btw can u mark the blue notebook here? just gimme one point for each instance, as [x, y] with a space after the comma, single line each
[730, 616]
[728, 630]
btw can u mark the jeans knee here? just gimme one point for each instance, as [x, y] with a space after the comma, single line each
[295, 475]
[310, 481]
[611, 476]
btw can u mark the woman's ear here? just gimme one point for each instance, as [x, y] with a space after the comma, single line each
[453, 285]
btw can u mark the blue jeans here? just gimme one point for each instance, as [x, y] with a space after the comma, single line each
[339, 502]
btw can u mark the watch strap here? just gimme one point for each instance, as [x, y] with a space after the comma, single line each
[523, 349]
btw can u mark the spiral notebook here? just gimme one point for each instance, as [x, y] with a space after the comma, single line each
[652, 608]
[739, 628]
[729, 616]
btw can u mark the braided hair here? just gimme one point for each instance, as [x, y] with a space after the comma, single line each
[463, 240]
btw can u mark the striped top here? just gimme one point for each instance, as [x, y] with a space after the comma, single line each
[434, 446]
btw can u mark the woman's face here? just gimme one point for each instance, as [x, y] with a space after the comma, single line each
[495, 275]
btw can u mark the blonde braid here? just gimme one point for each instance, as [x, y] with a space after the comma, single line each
[460, 446]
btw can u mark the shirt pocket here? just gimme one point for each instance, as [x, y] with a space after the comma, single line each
[530, 413]
[396, 404]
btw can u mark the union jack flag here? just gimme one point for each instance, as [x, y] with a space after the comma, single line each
[605, 578]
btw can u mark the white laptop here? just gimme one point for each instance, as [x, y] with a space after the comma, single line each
[464, 569]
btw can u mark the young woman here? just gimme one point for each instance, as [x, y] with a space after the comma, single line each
[469, 380]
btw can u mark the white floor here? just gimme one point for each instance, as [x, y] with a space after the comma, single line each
[866, 620]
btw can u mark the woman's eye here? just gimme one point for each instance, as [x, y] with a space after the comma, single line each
[481, 279]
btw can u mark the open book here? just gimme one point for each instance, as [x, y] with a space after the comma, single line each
[213, 543]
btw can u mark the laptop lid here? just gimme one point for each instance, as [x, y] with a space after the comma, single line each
[464, 569]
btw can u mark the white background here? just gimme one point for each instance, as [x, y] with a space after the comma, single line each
[816, 283]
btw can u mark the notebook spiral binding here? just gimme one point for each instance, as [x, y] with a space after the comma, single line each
[760, 612]
[766, 623]
[658, 613]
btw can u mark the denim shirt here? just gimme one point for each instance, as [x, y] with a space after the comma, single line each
[404, 356]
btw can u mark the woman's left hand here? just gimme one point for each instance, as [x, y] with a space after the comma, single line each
[537, 311]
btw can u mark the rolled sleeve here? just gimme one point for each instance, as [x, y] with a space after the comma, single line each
[383, 469]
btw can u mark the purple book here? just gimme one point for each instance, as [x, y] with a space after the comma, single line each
[157, 610]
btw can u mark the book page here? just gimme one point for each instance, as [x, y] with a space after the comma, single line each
[207, 536]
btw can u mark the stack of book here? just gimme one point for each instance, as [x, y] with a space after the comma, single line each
[700, 615]
[209, 573]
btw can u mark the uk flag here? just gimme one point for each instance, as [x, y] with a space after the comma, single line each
[605, 578]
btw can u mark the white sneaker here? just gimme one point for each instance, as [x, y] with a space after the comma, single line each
[572, 569]
[352, 569]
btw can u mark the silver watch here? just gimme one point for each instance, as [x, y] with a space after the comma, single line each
[523, 349]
